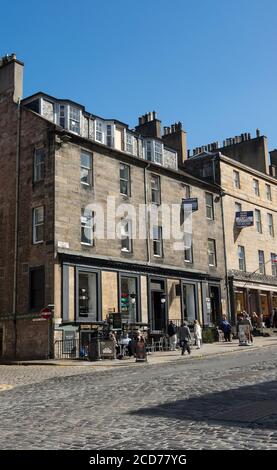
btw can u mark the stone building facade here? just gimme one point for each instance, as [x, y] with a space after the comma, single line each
[58, 162]
[247, 178]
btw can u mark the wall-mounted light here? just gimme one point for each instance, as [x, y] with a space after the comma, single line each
[163, 298]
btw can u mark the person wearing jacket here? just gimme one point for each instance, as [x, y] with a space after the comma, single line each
[172, 333]
[185, 338]
[226, 328]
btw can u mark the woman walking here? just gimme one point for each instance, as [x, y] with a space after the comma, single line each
[197, 334]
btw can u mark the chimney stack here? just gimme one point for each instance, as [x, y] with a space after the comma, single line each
[11, 77]
[149, 125]
[176, 138]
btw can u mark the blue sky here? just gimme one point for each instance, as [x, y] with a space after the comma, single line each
[211, 64]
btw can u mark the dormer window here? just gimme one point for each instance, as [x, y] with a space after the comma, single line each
[129, 143]
[158, 153]
[62, 115]
[74, 120]
[69, 118]
[99, 131]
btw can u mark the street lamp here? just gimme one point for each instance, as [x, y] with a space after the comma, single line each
[133, 302]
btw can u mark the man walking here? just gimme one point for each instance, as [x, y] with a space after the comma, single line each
[172, 333]
[185, 338]
[226, 328]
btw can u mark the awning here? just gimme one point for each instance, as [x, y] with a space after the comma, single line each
[252, 285]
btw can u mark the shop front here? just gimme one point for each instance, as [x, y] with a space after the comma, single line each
[255, 298]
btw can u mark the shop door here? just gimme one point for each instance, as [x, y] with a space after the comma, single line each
[1, 341]
[264, 305]
[158, 312]
[215, 305]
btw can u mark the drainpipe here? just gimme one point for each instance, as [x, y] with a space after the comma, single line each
[15, 259]
[221, 195]
[146, 214]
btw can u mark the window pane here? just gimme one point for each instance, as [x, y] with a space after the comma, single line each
[86, 160]
[189, 303]
[39, 215]
[88, 295]
[85, 179]
[129, 298]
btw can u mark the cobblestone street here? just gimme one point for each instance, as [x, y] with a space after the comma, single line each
[223, 402]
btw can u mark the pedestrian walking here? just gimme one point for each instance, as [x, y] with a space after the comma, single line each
[226, 328]
[197, 334]
[274, 318]
[172, 333]
[185, 338]
[247, 321]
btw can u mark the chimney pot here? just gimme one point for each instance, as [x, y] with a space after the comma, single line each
[258, 133]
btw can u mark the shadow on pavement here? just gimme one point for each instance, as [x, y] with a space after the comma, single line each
[249, 406]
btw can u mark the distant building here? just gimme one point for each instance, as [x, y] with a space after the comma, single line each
[247, 180]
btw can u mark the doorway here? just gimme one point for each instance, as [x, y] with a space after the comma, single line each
[1, 341]
[215, 305]
[158, 310]
[158, 305]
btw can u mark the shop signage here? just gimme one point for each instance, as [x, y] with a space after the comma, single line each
[208, 304]
[244, 219]
[193, 202]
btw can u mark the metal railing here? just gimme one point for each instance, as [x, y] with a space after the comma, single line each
[68, 349]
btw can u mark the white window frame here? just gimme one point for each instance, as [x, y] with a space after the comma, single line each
[188, 254]
[268, 192]
[39, 167]
[71, 110]
[156, 191]
[236, 179]
[127, 181]
[149, 150]
[158, 241]
[209, 206]
[126, 236]
[241, 258]
[37, 223]
[158, 153]
[109, 135]
[261, 264]
[129, 143]
[87, 218]
[273, 264]
[270, 224]
[88, 168]
[256, 187]
[62, 114]
[212, 252]
[258, 219]
[99, 133]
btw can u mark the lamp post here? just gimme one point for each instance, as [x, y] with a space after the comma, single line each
[133, 302]
[163, 301]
